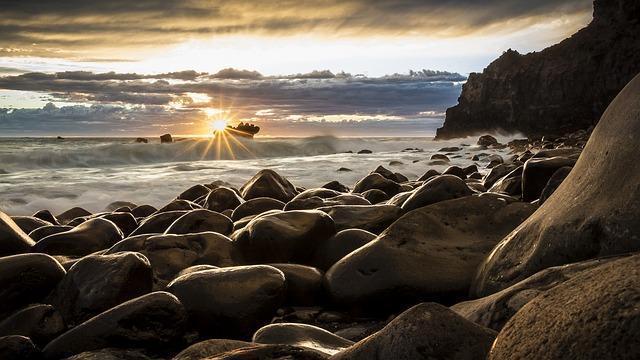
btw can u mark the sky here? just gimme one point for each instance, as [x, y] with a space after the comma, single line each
[295, 68]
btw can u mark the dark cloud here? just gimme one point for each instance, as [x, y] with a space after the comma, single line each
[60, 28]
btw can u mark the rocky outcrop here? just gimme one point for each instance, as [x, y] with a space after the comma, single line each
[563, 88]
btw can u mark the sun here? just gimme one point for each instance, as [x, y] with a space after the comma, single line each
[218, 125]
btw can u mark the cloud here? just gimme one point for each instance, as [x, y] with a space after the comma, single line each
[75, 28]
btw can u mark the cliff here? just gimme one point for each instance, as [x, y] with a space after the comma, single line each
[563, 88]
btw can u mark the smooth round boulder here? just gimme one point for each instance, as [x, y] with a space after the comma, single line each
[304, 284]
[372, 218]
[256, 206]
[593, 213]
[76, 212]
[158, 223]
[594, 315]
[428, 175]
[39, 322]
[455, 171]
[377, 181]
[46, 215]
[316, 202]
[142, 211]
[90, 236]
[337, 186]
[221, 199]
[431, 252]
[29, 223]
[510, 184]
[27, 279]
[317, 192]
[195, 192]
[487, 140]
[271, 352]
[302, 335]
[268, 183]
[153, 321]
[97, 283]
[125, 221]
[42, 232]
[425, 331]
[18, 347]
[281, 237]
[201, 220]
[375, 196]
[211, 347]
[178, 205]
[537, 172]
[339, 246]
[12, 239]
[496, 173]
[231, 301]
[438, 188]
[118, 205]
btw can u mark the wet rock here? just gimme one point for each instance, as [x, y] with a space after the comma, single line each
[365, 151]
[594, 212]
[272, 352]
[291, 236]
[18, 347]
[372, 218]
[29, 223]
[537, 172]
[97, 283]
[344, 169]
[256, 206]
[170, 254]
[437, 189]
[195, 192]
[455, 171]
[317, 192]
[428, 175]
[554, 182]
[405, 263]
[336, 185]
[487, 140]
[303, 283]
[340, 245]
[117, 205]
[166, 139]
[450, 336]
[301, 335]
[257, 292]
[450, 149]
[39, 322]
[46, 215]
[110, 354]
[496, 174]
[221, 199]
[211, 347]
[440, 157]
[158, 223]
[377, 181]
[510, 184]
[143, 211]
[91, 236]
[316, 202]
[473, 168]
[201, 220]
[268, 183]
[12, 239]
[125, 221]
[494, 160]
[26, 279]
[178, 205]
[71, 214]
[153, 321]
[594, 315]
[375, 196]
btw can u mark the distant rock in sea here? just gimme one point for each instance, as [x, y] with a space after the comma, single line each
[561, 89]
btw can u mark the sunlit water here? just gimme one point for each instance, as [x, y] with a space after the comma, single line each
[54, 174]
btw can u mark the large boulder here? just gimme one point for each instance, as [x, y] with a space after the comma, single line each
[90, 236]
[301, 335]
[377, 181]
[339, 246]
[268, 183]
[233, 301]
[291, 236]
[65, 217]
[29, 223]
[154, 321]
[256, 206]
[97, 283]
[158, 223]
[12, 239]
[373, 218]
[431, 252]
[426, 331]
[537, 172]
[43, 232]
[594, 315]
[304, 284]
[201, 220]
[209, 348]
[39, 322]
[221, 199]
[593, 213]
[193, 193]
[439, 188]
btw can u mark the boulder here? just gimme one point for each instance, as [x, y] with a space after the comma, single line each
[153, 321]
[269, 352]
[593, 213]
[431, 252]
[268, 183]
[27, 279]
[125, 221]
[209, 348]
[303, 283]
[537, 172]
[12, 239]
[201, 220]
[439, 188]
[166, 139]
[377, 181]
[496, 173]
[442, 157]
[316, 202]
[301, 335]
[232, 301]
[142, 211]
[18, 347]
[178, 205]
[510, 184]
[554, 182]
[83, 293]
[195, 192]
[339, 246]
[373, 218]
[428, 175]
[375, 196]
[594, 315]
[291, 236]
[158, 223]
[221, 199]
[487, 140]
[317, 192]
[336, 185]
[71, 214]
[256, 206]
[39, 322]
[90, 236]
[110, 354]
[29, 223]
[46, 215]
[455, 171]
[117, 205]
[425, 331]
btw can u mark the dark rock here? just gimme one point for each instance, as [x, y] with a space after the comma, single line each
[365, 151]
[303, 283]
[27, 279]
[194, 192]
[439, 188]
[405, 263]
[71, 214]
[496, 173]
[473, 168]
[97, 283]
[593, 214]
[593, 315]
[537, 172]
[257, 292]
[344, 169]
[142, 140]
[256, 206]
[339, 246]
[302, 335]
[45, 231]
[428, 175]
[388, 174]
[12, 239]
[450, 149]
[119, 204]
[554, 182]
[91, 236]
[110, 354]
[178, 205]
[377, 181]
[375, 196]
[221, 199]
[510, 184]
[209, 348]
[39, 322]
[166, 139]
[281, 237]
[487, 140]
[195, 268]
[153, 321]
[201, 220]
[272, 352]
[143, 211]
[455, 171]
[399, 198]
[440, 157]
[316, 202]
[29, 223]
[268, 183]
[336, 185]
[125, 221]
[563, 88]
[18, 347]
[373, 218]
[46, 215]
[476, 176]
[450, 336]
[158, 223]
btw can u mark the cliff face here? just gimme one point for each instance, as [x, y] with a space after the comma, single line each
[563, 88]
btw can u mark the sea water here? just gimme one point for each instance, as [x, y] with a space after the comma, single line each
[57, 174]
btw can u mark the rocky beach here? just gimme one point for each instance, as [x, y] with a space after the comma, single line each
[478, 246]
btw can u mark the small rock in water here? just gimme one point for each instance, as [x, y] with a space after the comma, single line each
[142, 140]
[487, 140]
[365, 151]
[166, 139]
[344, 169]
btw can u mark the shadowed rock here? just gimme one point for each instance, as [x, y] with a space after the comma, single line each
[38, 322]
[304, 284]
[439, 188]
[158, 223]
[209, 348]
[76, 212]
[373, 218]
[221, 199]
[12, 239]
[339, 246]
[377, 181]
[201, 220]
[256, 206]
[268, 183]
[272, 352]
[29, 223]
[90, 236]
[18, 347]
[194, 192]
[301, 335]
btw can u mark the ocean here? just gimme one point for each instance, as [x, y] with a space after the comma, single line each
[57, 174]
